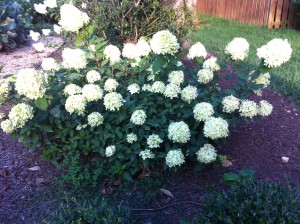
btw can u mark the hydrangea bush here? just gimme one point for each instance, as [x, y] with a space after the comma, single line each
[110, 112]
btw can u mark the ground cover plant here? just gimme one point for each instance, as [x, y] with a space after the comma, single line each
[102, 115]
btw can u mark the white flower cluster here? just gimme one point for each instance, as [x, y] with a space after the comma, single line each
[238, 48]
[34, 35]
[131, 138]
[49, 64]
[206, 154]
[172, 91]
[164, 42]
[147, 87]
[189, 93]
[205, 75]
[197, 50]
[134, 88]
[147, 154]
[95, 119]
[112, 53]
[57, 29]
[275, 53]
[248, 108]
[136, 51]
[179, 132]
[263, 79]
[174, 158]
[111, 85]
[31, 83]
[76, 104]
[4, 87]
[129, 51]
[113, 101]
[230, 104]
[138, 117]
[50, 3]
[176, 77]
[73, 58]
[202, 111]
[93, 76]
[71, 18]
[46, 32]
[215, 128]
[265, 108]
[153, 141]
[72, 89]
[110, 150]
[92, 92]
[39, 47]
[40, 8]
[158, 87]
[142, 48]
[211, 64]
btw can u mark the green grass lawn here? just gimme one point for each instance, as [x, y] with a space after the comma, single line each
[216, 33]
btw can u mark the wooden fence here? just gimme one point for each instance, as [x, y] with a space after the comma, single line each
[269, 13]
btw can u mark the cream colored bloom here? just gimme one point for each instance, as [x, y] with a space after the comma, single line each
[174, 158]
[113, 101]
[112, 53]
[203, 111]
[39, 47]
[40, 8]
[205, 76]
[215, 128]
[93, 76]
[179, 132]
[197, 50]
[164, 42]
[142, 48]
[49, 64]
[176, 77]
[73, 58]
[111, 85]
[92, 92]
[138, 117]
[211, 64]
[72, 89]
[154, 141]
[131, 138]
[133, 88]
[110, 150]
[46, 32]
[147, 154]
[238, 48]
[206, 154]
[50, 3]
[95, 119]
[172, 91]
[189, 93]
[230, 104]
[265, 108]
[158, 87]
[248, 108]
[76, 104]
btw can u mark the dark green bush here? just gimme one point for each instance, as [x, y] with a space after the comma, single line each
[252, 201]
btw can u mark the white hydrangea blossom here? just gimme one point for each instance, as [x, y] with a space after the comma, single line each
[76, 104]
[133, 88]
[39, 47]
[147, 87]
[129, 51]
[7, 126]
[205, 76]
[172, 91]
[164, 42]
[4, 87]
[179, 132]
[215, 128]
[111, 85]
[40, 8]
[20, 114]
[113, 101]
[153, 141]
[72, 89]
[206, 154]
[112, 53]
[138, 117]
[275, 53]
[73, 58]
[203, 111]
[230, 104]
[263, 79]
[248, 108]
[46, 32]
[211, 64]
[93, 76]
[131, 138]
[92, 92]
[174, 158]
[34, 35]
[189, 93]
[57, 29]
[95, 119]
[238, 48]
[110, 150]
[176, 77]
[265, 108]
[151, 77]
[142, 48]
[158, 87]
[31, 83]
[49, 64]
[81, 126]
[147, 154]
[197, 50]
[50, 3]
[72, 19]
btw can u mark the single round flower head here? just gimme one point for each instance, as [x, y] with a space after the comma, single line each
[248, 108]
[113, 101]
[4, 87]
[230, 104]
[112, 53]
[34, 35]
[263, 79]
[49, 64]
[164, 42]
[238, 48]
[206, 154]
[57, 29]
[138, 117]
[73, 58]
[92, 92]
[71, 18]
[147, 154]
[142, 48]
[46, 32]
[20, 114]
[153, 141]
[189, 93]
[40, 8]
[176, 77]
[134, 88]
[203, 111]
[179, 132]
[39, 47]
[205, 76]
[50, 3]
[7, 126]
[93, 76]
[95, 119]
[131, 138]
[275, 53]
[76, 104]
[197, 50]
[147, 87]
[72, 89]
[129, 51]
[265, 108]
[174, 158]
[215, 128]
[111, 85]
[172, 91]
[211, 64]
[110, 150]
[158, 87]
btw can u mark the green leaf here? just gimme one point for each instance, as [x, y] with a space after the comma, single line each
[158, 64]
[41, 103]
[230, 178]
[127, 176]
[247, 173]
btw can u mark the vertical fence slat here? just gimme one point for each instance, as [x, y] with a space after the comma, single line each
[278, 14]
[272, 12]
[284, 16]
